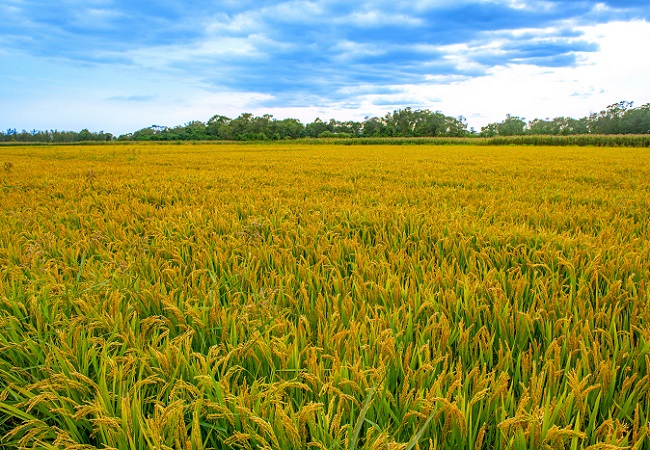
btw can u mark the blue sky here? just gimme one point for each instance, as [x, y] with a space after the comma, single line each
[121, 65]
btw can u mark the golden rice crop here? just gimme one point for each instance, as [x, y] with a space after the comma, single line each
[318, 296]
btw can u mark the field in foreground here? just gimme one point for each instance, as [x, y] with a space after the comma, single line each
[288, 296]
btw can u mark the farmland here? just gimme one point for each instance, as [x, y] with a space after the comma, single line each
[324, 296]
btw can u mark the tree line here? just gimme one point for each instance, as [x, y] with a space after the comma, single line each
[54, 136]
[618, 118]
[247, 127]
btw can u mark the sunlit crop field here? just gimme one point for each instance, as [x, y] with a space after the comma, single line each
[315, 296]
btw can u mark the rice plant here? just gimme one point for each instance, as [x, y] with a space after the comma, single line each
[325, 296]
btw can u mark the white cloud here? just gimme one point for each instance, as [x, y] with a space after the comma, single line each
[95, 18]
[374, 18]
[224, 24]
[348, 50]
[161, 102]
[349, 58]
[164, 57]
[622, 64]
[618, 71]
[294, 11]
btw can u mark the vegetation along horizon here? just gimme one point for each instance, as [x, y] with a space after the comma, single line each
[297, 296]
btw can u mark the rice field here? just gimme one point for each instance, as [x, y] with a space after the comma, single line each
[294, 296]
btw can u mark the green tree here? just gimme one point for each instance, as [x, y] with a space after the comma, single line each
[288, 129]
[315, 128]
[373, 127]
[636, 120]
[511, 126]
[610, 121]
[85, 135]
[215, 124]
[489, 130]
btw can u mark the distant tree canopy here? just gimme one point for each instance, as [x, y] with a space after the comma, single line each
[405, 122]
[54, 136]
[618, 118]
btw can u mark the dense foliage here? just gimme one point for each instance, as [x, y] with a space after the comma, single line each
[246, 127]
[619, 118]
[288, 296]
[54, 136]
